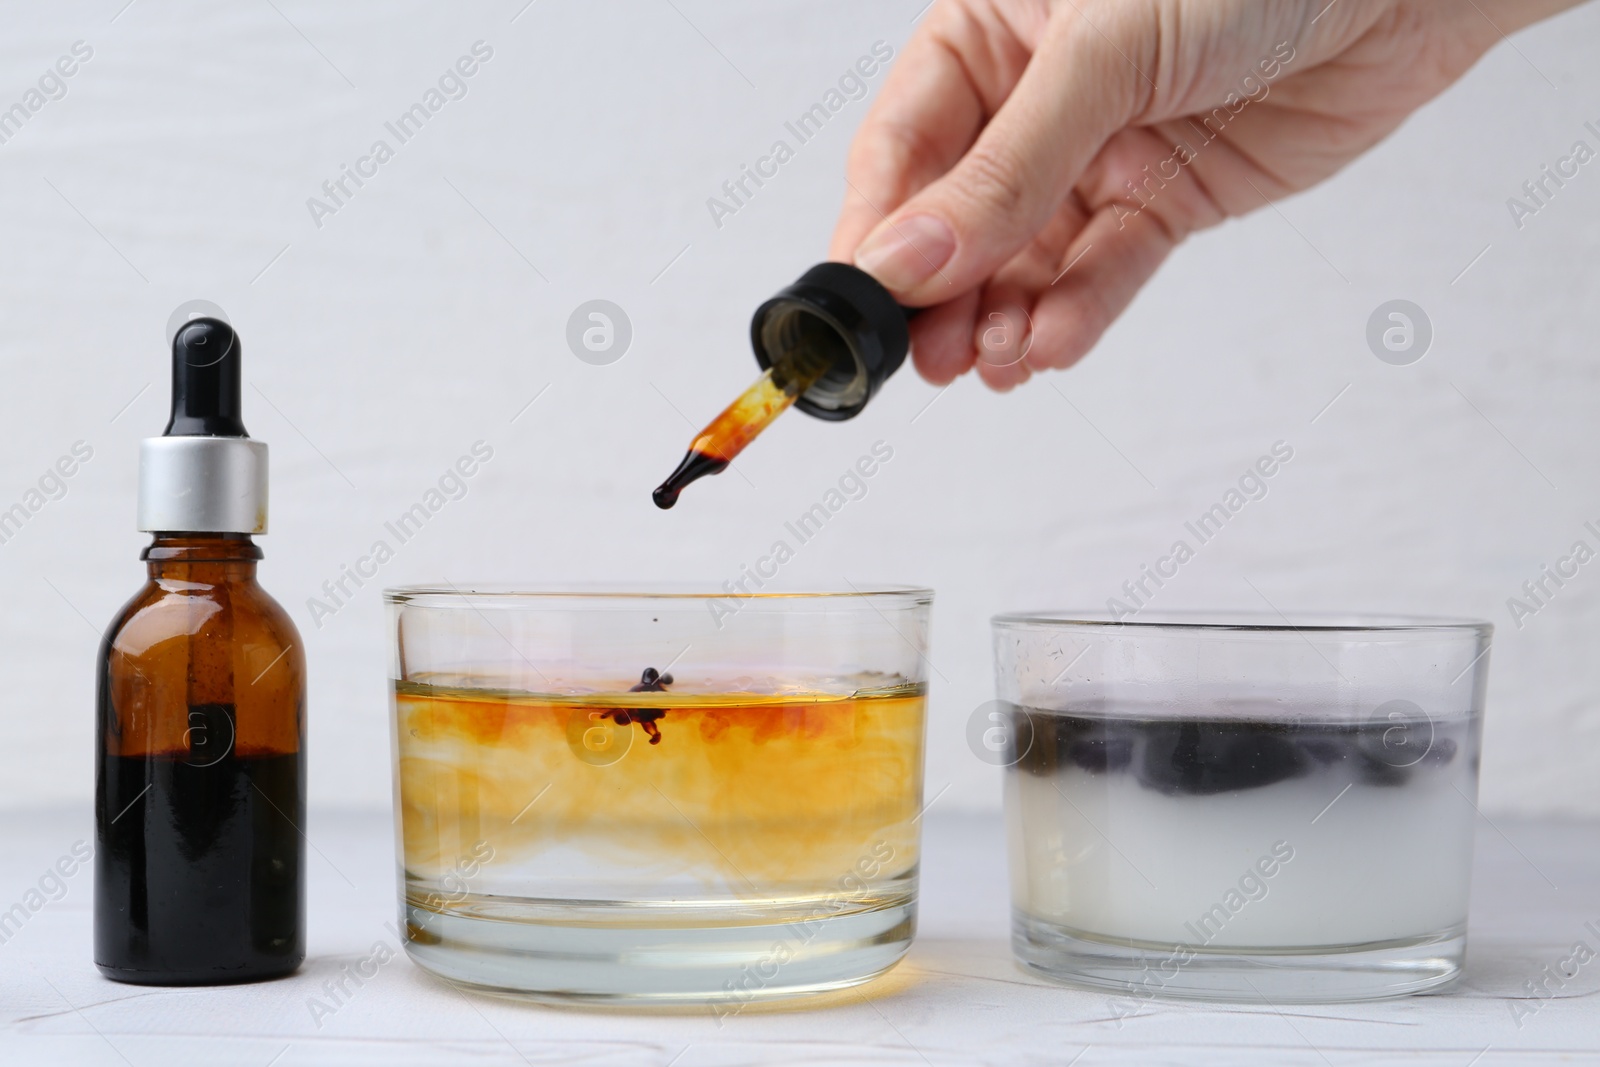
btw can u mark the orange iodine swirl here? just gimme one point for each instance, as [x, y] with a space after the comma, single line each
[744, 788]
[744, 419]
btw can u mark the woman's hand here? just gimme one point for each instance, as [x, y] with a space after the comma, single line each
[1030, 163]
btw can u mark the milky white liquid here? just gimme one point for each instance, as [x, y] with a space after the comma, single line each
[1335, 844]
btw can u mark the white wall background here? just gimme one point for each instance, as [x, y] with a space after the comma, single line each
[405, 328]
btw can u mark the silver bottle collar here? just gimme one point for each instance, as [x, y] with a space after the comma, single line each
[203, 484]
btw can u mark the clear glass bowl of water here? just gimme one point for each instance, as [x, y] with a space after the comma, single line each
[659, 797]
[1234, 808]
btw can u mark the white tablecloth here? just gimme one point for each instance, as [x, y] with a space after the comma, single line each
[957, 999]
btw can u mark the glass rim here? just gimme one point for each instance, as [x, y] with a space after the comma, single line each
[577, 594]
[1244, 622]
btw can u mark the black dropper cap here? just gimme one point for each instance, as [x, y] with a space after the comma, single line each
[845, 313]
[206, 357]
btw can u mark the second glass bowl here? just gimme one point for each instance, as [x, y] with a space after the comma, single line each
[1239, 809]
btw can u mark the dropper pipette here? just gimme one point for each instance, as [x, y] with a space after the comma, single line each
[828, 342]
[740, 423]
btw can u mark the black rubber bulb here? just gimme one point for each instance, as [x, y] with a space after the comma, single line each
[206, 357]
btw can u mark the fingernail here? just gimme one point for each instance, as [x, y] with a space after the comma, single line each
[904, 254]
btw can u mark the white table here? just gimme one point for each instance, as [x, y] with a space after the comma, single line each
[957, 999]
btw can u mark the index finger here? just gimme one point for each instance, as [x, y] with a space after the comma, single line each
[927, 116]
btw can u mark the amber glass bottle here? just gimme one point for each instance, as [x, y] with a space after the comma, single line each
[200, 761]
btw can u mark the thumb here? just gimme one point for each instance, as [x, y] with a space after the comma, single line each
[1078, 89]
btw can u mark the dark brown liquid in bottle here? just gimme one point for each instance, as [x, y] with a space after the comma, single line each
[200, 800]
